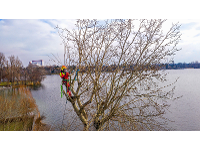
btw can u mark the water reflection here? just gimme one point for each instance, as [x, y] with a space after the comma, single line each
[49, 101]
[37, 87]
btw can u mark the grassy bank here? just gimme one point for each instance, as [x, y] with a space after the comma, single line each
[28, 83]
[17, 124]
[17, 109]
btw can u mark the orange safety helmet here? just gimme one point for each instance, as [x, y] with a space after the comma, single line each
[63, 67]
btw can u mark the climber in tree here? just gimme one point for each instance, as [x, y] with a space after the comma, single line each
[65, 76]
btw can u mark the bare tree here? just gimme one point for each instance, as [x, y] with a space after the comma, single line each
[14, 68]
[2, 64]
[11, 69]
[119, 72]
[35, 74]
[7, 71]
[18, 68]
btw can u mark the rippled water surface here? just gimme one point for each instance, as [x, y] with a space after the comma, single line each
[185, 112]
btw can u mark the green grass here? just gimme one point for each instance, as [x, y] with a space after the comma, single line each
[19, 124]
[5, 83]
[29, 83]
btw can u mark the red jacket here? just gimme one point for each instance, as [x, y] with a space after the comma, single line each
[64, 75]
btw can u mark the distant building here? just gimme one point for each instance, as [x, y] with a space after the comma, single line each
[37, 62]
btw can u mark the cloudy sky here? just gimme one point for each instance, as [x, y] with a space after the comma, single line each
[34, 39]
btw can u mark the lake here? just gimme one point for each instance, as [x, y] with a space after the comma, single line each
[185, 111]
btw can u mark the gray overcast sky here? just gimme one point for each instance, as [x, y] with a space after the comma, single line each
[33, 39]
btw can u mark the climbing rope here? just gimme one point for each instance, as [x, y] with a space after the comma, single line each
[65, 106]
[63, 116]
[61, 87]
[76, 74]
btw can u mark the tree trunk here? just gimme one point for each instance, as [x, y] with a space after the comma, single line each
[83, 118]
[25, 78]
[1, 75]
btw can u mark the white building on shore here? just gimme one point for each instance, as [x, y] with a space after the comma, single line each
[37, 62]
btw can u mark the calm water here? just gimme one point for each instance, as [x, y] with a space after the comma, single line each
[49, 101]
[185, 112]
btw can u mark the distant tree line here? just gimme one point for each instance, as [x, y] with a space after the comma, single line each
[113, 67]
[182, 65]
[56, 69]
[12, 71]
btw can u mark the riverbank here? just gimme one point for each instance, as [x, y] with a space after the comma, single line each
[4, 88]
[8, 85]
[17, 124]
[18, 110]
